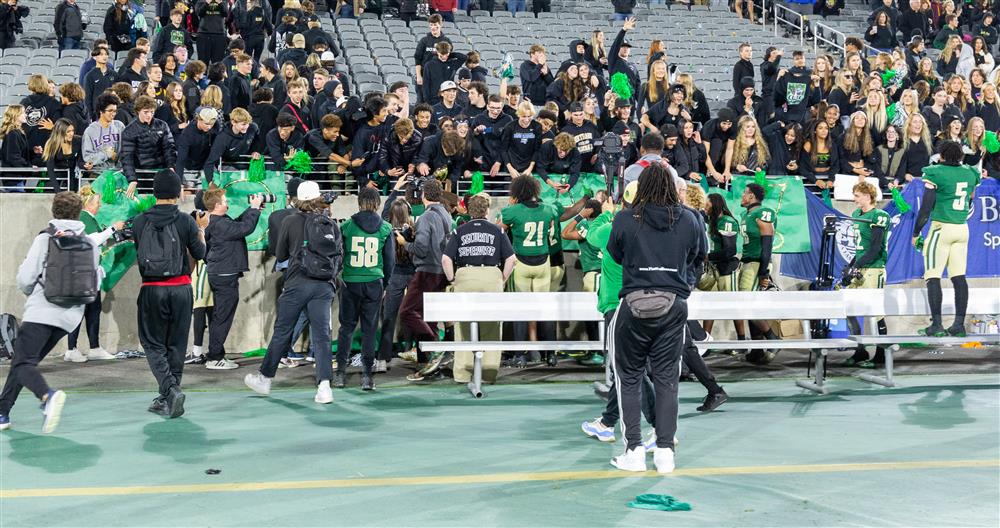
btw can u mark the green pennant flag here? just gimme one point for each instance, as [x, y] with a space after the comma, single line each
[786, 196]
[238, 189]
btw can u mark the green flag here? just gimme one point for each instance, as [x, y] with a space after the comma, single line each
[239, 187]
[786, 196]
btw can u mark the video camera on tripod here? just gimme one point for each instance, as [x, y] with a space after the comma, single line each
[612, 156]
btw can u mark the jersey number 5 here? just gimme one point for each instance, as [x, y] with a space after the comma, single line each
[364, 252]
[961, 194]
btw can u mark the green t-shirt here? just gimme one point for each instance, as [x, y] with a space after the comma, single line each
[725, 225]
[863, 234]
[953, 189]
[590, 256]
[751, 231]
[530, 228]
[363, 251]
[598, 233]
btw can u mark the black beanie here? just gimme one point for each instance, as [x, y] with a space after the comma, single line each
[166, 185]
[746, 82]
[292, 187]
[725, 114]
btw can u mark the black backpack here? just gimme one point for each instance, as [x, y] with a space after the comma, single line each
[69, 273]
[158, 252]
[322, 247]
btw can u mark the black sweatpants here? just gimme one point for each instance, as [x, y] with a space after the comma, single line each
[315, 298]
[359, 301]
[390, 312]
[200, 321]
[694, 361]
[255, 47]
[211, 47]
[92, 317]
[34, 342]
[164, 314]
[660, 342]
[226, 297]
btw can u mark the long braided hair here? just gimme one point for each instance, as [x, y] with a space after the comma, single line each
[656, 187]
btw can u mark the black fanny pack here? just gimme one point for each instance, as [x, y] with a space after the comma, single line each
[649, 304]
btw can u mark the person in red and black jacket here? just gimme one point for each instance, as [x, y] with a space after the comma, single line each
[297, 107]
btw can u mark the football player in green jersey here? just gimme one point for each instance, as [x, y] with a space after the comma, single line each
[720, 273]
[590, 263]
[872, 230]
[948, 189]
[758, 240]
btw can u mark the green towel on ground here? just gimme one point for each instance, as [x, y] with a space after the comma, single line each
[652, 501]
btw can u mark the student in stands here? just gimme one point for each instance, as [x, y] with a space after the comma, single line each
[101, 141]
[62, 156]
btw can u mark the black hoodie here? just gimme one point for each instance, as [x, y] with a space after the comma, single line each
[660, 252]
[230, 148]
[795, 90]
[187, 233]
[38, 107]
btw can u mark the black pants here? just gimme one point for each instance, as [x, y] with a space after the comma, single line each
[694, 361]
[390, 312]
[659, 342]
[164, 314]
[201, 318]
[34, 342]
[255, 47]
[211, 47]
[315, 298]
[611, 413]
[359, 300]
[92, 316]
[226, 296]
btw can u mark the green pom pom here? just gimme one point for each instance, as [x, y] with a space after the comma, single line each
[477, 183]
[990, 142]
[887, 77]
[110, 186]
[300, 162]
[255, 173]
[621, 86]
[890, 112]
[142, 204]
[760, 178]
[901, 204]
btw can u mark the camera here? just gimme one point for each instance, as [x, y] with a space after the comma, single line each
[406, 232]
[851, 275]
[265, 198]
[610, 144]
[123, 234]
[328, 197]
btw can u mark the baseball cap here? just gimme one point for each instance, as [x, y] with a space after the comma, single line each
[327, 56]
[447, 85]
[308, 190]
[270, 64]
[626, 44]
[208, 115]
[623, 103]
[576, 107]
[630, 191]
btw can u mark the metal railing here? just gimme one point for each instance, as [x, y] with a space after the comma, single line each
[825, 34]
[791, 19]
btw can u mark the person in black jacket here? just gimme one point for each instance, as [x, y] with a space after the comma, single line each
[442, 156]
[882, 35]
[40, 107]
[98, 79]
[769, 69]
[441, 69]
[488, 128]
[399, 149]
[746, 102]
[297, 107]
[535, 75]
[195, 71]
[172, 35]
[240, 91]
[618, 58]
[14, 150]
[426, 48]
[743, 68]
[796, 91]
[269, 78]
[211, 30]
[69, 25]
[914, 22]
[658, 242]
[146, 143]
[195, 143]
[367, 140]
[559, 157]
[225, 261]
[283, 141]
[264, 115]
[232, 145]
[10, 22]
[165, 302]
[254, 25]
[73, 108]
[118, 26]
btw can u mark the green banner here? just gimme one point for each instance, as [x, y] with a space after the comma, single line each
[588, 184]
[239, 188]
[786, 195]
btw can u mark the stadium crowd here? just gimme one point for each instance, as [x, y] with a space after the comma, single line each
[200, 96]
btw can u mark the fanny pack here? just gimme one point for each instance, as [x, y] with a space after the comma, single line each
[649, 304]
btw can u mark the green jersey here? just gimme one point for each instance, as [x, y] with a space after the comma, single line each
[953, 191]
[863, 234]
[598, 233]
[530, 227]
[590, 256]
[555, 229]
[363, 251]
[751, 231]
[726, 225]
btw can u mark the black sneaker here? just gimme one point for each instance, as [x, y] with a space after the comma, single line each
[366, 382]
[196, 360]
[339, 380]
[175, 402]
[933, 330]
[956, 330]
[159, 406]
[713, 401]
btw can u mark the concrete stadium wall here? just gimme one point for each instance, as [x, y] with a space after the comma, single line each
[22, 216]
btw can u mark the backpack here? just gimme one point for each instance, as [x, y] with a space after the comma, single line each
[321, 247]
[69, 273]
[8, 333]
[158, 252]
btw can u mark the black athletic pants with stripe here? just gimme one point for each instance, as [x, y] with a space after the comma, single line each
[359, 301]
[660, 342]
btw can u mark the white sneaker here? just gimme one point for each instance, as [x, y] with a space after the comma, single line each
[650, 443]
[258, 383]
[596, 429]
[74, 356]
[222, 364]
[380, 366]
[324, 394]
[664, 460]
[99, 353]
[631, 460]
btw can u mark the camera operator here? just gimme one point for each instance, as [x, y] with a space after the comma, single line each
[195, 144]
[399, 149]
[283, 141]
[226, 261]
[146, 143]
[164, 237]
[433, 226]
[585, 133]
[311, 243]
[657, 242]
[650, 153]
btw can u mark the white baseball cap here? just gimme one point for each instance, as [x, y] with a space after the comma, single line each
[308, 190]
[447, 85]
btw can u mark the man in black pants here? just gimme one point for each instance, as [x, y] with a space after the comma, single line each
[226, 261]
[656, 242]
[165, 299]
